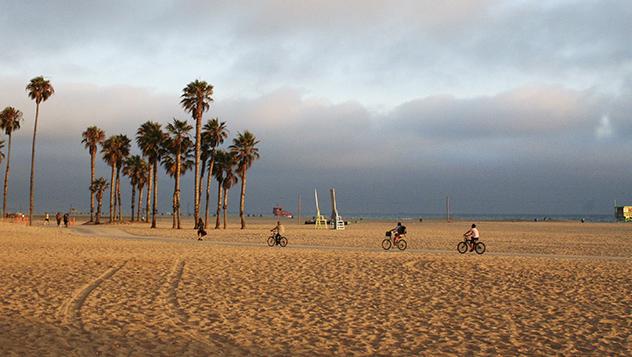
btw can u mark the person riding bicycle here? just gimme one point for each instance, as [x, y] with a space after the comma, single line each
[278, 231]
[473, 235]
[398, 231]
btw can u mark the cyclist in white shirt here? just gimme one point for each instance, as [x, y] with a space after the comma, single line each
[473, 234]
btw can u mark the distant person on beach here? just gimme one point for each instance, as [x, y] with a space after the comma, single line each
[200, 229]
[278, 231]
[66, 219]
[58, 219]
[46, 219]
[473, 234]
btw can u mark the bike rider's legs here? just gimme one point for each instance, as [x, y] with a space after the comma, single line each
[473, 243]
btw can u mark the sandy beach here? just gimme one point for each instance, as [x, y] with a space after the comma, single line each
[541, 288]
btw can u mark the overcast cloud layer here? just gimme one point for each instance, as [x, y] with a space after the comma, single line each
[508, 107]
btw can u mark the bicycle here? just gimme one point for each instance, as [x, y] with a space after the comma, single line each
[274, 240]
[463, 247]
[397, 241]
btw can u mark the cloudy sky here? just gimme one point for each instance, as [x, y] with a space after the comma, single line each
[506, 106]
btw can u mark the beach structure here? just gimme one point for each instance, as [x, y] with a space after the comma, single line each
[336, 221]
[320, 220]
[623, 213]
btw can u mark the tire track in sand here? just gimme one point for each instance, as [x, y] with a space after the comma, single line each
[179, 318]
[70, 312]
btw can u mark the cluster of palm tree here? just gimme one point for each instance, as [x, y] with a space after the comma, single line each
[178, 152]
[38, 89]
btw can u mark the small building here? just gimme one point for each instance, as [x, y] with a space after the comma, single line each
[623, 213]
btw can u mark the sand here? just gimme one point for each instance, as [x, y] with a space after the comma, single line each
[541, 288]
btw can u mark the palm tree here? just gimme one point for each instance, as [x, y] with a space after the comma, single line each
[134, 168]
[246, 152]
[97, 187]
[214, 134]
[39, 89]
[229, 180]
[178, 145]
[10, 120]
[141, 181]
[196, 99]
[149, 138]
[218, 173]
[92, 137]
[123, 154]
[114, 150]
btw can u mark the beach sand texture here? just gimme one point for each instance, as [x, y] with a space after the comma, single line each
[541, 288]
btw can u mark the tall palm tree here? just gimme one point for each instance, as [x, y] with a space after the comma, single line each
[229, 180]
[114, 150]
[149, 138]
[141, 181]
[134, 168]
[178, 145]
[97, 187]
[10, 120]
[214, 134]
[39, 89]
[245, 150]
[123, 154]
[92, 137]
[218, 173]
[196, 99]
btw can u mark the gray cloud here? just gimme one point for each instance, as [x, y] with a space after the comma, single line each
[397, 104]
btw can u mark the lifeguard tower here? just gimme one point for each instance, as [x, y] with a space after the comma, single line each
[623, 213]
[336, 221]
[320, 220]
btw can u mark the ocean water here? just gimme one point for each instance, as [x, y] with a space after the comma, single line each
[483, 217]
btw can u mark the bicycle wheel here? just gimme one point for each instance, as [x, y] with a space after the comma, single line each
[271, 241]
[480, 248]
[401, 244]
[461, 247]
[282, 241]
[386, 244]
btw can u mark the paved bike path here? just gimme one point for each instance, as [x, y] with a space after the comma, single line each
[115, 233]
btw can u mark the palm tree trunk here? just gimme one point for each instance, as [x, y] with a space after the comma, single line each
[177, 192]
[174, 203]
[112, 190]
[198, 143]
[93, 157]
[225, 205]
[242, 201]
[202, 171]
[219, 204]
[32, 183]
[150, 183]
[154, 207]
[208, 190]
[99, 204]
[6, 179]
[140, 199]
[133, 200]
[118, 195]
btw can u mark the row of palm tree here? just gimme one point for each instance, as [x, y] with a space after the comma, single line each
[39, 89]
[177, 152]
[173, 149]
